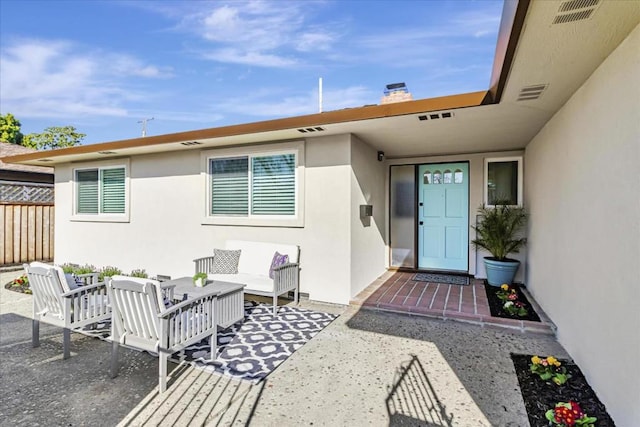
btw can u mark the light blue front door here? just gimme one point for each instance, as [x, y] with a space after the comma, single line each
[443, 216]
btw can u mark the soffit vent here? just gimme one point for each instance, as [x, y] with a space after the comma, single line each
[189, 143]
[575, 10]
[314, 129]
[530, 93]
[106, 153]
[435, 116]
[45, 160]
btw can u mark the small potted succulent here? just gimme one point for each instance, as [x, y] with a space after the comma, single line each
[200, 279]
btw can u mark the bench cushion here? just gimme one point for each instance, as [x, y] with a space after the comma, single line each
[256, 257]
[254, 282]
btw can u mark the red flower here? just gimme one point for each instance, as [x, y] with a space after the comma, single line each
[512, 297]
[567, 416]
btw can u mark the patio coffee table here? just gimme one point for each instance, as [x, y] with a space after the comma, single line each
[229, 305]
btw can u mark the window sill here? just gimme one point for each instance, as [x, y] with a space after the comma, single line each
[254, 222]
[100, 218]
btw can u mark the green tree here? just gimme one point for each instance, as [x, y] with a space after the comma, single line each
[54, 137]
[10, 129]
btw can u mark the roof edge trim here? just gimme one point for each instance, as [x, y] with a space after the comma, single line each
[514, 13]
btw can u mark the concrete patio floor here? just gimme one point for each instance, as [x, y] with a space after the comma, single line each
[366, 368]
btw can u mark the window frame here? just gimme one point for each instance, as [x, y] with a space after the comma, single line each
[101, 217]
[520, 178]
[297, 220]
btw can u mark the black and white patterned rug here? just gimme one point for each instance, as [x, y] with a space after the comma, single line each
[252, 349]
[447, 279]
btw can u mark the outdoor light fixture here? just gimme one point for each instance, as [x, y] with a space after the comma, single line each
[380, 156]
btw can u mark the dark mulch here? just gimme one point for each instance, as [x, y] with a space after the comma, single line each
[496, 304]
[539, 396]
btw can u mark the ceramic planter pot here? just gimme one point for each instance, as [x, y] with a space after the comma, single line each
[199, 282]
[499, 272]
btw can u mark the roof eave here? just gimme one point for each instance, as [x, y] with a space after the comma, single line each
[466, 100]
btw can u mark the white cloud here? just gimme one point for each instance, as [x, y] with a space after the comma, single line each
[40, 78]
[477, 24]
[260, 103]
[315, 41]
[127, 65]
[237, 56]
[260, 33]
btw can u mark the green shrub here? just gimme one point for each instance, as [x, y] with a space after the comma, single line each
[108, 271]
[69, 268]
[84, 269]
[139, 273]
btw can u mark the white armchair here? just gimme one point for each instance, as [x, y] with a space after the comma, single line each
[141, 320]
[62, 303]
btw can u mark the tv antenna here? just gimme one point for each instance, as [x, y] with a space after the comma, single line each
[144, 126]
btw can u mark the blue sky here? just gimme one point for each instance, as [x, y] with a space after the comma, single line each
[102, 66]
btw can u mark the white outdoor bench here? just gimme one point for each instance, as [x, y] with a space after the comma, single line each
[253, 269]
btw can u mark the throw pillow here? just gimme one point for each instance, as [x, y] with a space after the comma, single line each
[225, 261]
[277, 261]
[72, 281]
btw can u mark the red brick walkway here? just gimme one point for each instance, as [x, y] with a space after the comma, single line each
[397, 292]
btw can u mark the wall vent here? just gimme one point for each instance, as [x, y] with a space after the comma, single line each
[314, 129]
[435, 116]
[575, 10]
[189, 143]
[530, 93]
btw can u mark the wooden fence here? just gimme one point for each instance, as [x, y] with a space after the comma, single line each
[26, 234]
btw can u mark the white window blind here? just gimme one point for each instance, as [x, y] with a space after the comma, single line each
[230, 186]
[87, 191]
[273, 185]
[112, 191]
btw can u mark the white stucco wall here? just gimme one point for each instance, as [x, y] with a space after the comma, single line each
[165, 232]
[476, 196]
[583, 189]
[367, 234]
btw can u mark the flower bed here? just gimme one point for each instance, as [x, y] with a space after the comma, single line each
[517, 304]
[540, 395]
[21, 284]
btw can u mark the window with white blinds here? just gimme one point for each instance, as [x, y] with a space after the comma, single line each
[273, 182]
[100, 191]
[253, 186]
[230, 186]
[112, 191]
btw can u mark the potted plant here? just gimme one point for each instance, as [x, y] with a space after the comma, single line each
[199, 279]
[499, 231]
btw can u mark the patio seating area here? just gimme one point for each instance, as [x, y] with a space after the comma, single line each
[462, 372]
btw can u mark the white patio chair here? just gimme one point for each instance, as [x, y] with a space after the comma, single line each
[140, 320]
[61, 302]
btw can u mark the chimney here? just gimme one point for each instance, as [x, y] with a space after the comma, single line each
[396, 92]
